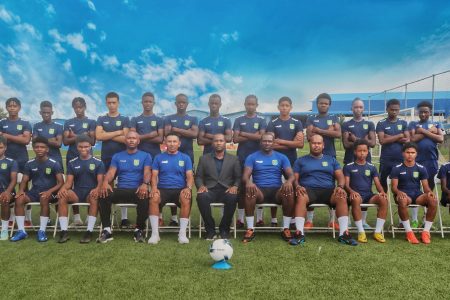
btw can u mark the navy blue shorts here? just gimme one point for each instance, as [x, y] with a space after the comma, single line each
[82, 193]
[413, 195]
[34, 196]
[366, 197]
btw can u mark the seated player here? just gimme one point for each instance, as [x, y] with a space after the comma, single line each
[46, 176]
[406, 179]
[315, 176]
[172, 181]
[133, 169]
[266, 168]
[8, 180]
[83, 183]
[444, 176]
[359, 176]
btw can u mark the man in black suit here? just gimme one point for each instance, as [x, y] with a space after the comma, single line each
[217, 179]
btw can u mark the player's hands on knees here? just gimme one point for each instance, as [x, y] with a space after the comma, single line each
[94, 193]
[431, 196]
[383, 195]
[402, 196]
[250, 189]
[354, 196]
[202, 189]
[232, 190]
[340, 192]
[45, 195]
[62, 193]
[300, 191]
[5, 197]
[105, 190]
[186, 193]
[286, 189]
[154, 193]
[142, 191]
[20, 195]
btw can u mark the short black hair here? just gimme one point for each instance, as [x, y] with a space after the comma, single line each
[392, 102]
[323, 96]
[46, 104]
[41, 140]
[215, 96]
[3, 140]
[181, 95]
[425, 104]
[250, 97]
[409, 145]
[13, 99]
[359, 143]
[148, 94]
[83, 138]
[268, 133]
[78, 100]
[356, 100]
[285, 99]
[174, 134]
[112, 95]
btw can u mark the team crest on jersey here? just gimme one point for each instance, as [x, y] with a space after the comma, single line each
[256, 125]
[92, 167]
[153, 123]
[136, 162]
[85, 125]
[325, 164]
[365, 126]
[291, 126]
[274, 162]
[186, 122]
[48, 171]
[416, 174]
[51, 131]
[4, 166]
[220, 123]
[399, 126]
[367, 172]
[19, 126]
[118, 123]
[329, 122]
[181, 163]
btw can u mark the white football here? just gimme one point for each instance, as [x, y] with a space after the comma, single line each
[221, 250]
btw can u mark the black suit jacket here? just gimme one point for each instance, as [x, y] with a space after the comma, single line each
[206, 174]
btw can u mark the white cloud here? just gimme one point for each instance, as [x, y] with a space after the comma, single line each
[91, 26]
[25, 27]
[91, 5]
[63, 108]
[93, 57]
[102, 36]
[58, 48]
[67, 65]
[76, 40]
[8, 17]
[8, 91]
[234, 79]
[229, 37]
[16, 24]
[50, 9]
[192, 82]
[110, 62]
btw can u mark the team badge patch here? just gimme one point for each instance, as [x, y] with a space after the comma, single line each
[416, 174]
[324, 164]
[181, 163]
[4, 166]
[136, 162]
[291, 126]
[220, 123]
[48, 171]
[51, 131]
[153, 123]
[85, 125]
[329, 122]
[366, 126]
[92, 167]
[19, 127]
[256, 125]
[367, 172]
[187, 122]
[399, 127]
[118, 123]
[274, 162]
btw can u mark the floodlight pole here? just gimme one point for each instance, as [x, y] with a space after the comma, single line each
[432, 97]
[406, 98]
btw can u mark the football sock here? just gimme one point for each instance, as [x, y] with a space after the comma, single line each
[274, 220]
[286, 221]
[310, 216]
[28, 214]
[364, 216]
[427, 226]
[63, 223]
[91, 223]
[108, 229]
[20, 220]
[154, 223]
[241, 213]
[43, 223]
[343, 224]
[249, 222]
[77, 217]
[414, 213]
[174, 218]
[259, 214]
[407, 225]
[4, 225]
[300, 223]
[379, 225]
[359, 225]
[124, 212]
[183, 226]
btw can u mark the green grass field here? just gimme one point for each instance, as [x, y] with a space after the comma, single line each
[267, 268]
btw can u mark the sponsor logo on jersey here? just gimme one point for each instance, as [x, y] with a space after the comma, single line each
[256, 125]
[48, 171]
[329, 122]
[291, 126]
[416, 174]
[365, 126]
[367, 172]
[92, 167]
[85, 125]
[19, 126]
[4, 165]
[187, 122]
[136, 162]
[274, 162]
[51, 131]
[220, 123]
[118, 123]
[399, 126]
[181, 163]
[325, 164]
[153, 123]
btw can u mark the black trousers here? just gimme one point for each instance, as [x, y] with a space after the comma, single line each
[217, 195]
[123, 196]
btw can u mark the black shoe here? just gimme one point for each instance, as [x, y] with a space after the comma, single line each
[105, 237]
[63, 237]
[292, 226]
[139, 236]
[298, 238]
[347, 239]
[210, 236]
[125, 224]
[87, 237]
[225, 235]
[173, 223]
[286, 234]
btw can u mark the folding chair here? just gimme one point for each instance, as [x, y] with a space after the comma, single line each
[321, 228]
[217, 205]
[172, 228]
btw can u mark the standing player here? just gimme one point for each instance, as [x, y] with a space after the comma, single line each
[288, 135]
[186, 127]
[83, 184]
[46, 176]
[247, 131]
[172, 181]
[111, 131]
[8, 180]
[359, 176]
[356, 129]
[406, 180]
[444, 176]
[18, 135]
[213, 124]
[328, 127]
[50, 130]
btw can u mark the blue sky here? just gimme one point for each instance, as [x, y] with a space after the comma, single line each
[56, 50]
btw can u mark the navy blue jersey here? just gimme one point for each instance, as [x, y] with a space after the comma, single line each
[172, 169]
[317, 173]
[18, 152]
[183, 122]
[78, 127]
[145, 125]
[409, 177]
[85, 172]
[110, 124]
[359, 129]
[444, 172]
[48, 131]
[267, 170]
[286, 130]
[42, 174]
[250, 125]
[391, 152]
[427, 147]
[324, 122]
[212, 125]
[7, 166]
[361, 176]
[130, 168]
